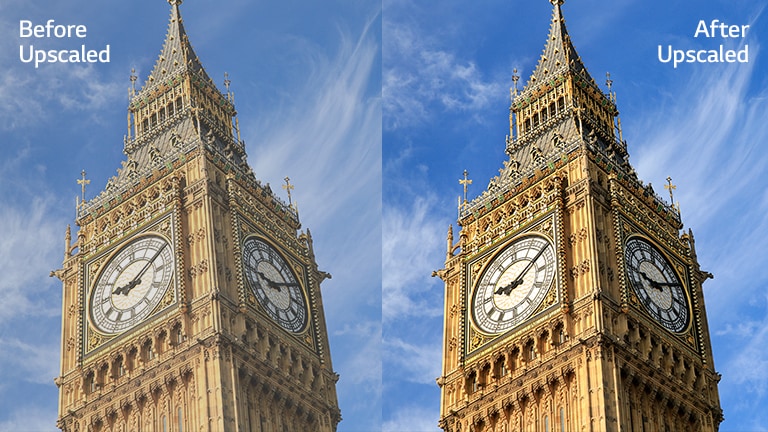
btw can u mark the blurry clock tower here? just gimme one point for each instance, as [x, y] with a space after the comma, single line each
[191, 299]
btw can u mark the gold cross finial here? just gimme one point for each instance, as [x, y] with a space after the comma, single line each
[670, 187]
[465, 182]
[288, 187]
[82, 182]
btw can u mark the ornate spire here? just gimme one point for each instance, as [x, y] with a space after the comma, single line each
[177, 54]
[560, 109]
[559, 53]
[177, 85]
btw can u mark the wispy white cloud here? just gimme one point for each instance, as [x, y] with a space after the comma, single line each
[744, 369]
[28, 362]
[333, 138]
[414, 361]
[364, 369]
[29, 418]
[29, 95]
[412, 239]
[360, 385]
[715, 136]
[420, 75]
[412, 419]
[26, 247]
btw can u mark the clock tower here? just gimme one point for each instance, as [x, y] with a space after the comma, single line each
[191, 299]
[573, 300]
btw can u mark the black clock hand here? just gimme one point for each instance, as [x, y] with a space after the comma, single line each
[655, 284]
[273, 284]
[125, 289]
[507, 289]
[288, 284]
[669, 284]
[519, 280]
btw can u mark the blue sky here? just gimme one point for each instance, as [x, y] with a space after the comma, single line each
[307, 82]
[446, 79]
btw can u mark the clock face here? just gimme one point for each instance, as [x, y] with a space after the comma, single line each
[274, 284]
[514, 284]
[656, 284]
[131, 284]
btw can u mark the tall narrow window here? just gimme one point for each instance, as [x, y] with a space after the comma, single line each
[562, 419]
[531, 351]
[546, 423]
[181, 421]
[165, 424]
[91, 380]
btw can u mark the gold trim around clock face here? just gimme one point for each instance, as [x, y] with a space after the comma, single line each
[514, 284]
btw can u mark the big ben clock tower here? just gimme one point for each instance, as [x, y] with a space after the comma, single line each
[573, 300]
[191, 299]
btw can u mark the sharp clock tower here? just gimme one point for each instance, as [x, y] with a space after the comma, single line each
[191, 299]
[573, 300]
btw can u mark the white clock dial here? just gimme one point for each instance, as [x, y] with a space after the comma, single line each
[514, 284]
[656, 284]
[273, 283]
[131, 284]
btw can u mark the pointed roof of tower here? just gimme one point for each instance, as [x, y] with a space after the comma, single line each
[559, 54]
[177, 54]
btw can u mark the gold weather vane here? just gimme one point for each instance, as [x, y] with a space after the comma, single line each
[288, 187]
